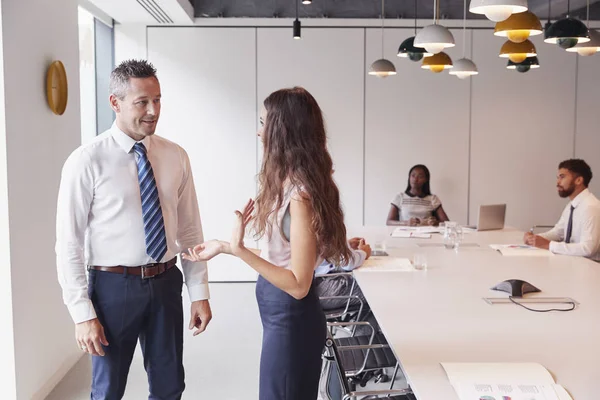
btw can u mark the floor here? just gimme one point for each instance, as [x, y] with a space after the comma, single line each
[221, 363]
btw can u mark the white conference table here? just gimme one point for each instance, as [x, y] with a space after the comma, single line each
[439, 315]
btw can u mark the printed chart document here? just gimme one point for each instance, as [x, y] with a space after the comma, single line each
[503, 381]
[521, 250]
[385, 264]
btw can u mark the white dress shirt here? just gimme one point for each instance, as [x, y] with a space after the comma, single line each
[358, 258]
[99, 216]
[585, 233]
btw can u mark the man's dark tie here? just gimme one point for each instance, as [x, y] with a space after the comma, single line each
[569, 226]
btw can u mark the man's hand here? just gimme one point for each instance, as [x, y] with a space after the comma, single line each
[537, 241]
[364, 247]
[200, 316]
[540, 242]
[528, 238]
[90, 336]
[354, 242]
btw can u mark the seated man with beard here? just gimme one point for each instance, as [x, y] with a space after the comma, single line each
[577, 233]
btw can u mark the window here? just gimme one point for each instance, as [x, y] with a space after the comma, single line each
[87, 75]
[96, 61]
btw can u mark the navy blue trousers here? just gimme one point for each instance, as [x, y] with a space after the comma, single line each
[294, 334]
[132, 309]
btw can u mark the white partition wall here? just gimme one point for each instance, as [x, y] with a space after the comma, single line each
[208, 85]
[587, 139]
[522, 127]
[329, 64]
[415, 117]
[495, 138]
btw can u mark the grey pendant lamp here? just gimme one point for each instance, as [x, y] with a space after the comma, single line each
[464, 67]
[382, 68]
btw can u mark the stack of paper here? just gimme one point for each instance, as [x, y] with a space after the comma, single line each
[410, 234]
[387, 264]
[422, 232]
[505, 381]
[520, 250]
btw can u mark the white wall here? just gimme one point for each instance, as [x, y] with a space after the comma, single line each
[522, 127]
[210, 110]
[497, 137]
[587, 140]
[8, 381]
[130, 42]
[415, 117]
[328, 63]
[35, 33]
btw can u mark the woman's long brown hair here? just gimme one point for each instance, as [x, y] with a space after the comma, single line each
[295, 153]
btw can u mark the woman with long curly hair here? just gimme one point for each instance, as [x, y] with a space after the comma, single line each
[300, 223]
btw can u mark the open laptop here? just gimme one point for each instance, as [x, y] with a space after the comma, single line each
[491, 217]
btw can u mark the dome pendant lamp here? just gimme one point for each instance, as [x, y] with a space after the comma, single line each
[464, 67]
[519, 27]
[382, 68]
[434, 38]
[591, 47]
[517, 52]
[407, 48]
[529, 63]
[437, 62]
[567, 32]
[497, 10]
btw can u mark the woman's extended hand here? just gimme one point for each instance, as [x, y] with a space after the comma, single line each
[239, 230]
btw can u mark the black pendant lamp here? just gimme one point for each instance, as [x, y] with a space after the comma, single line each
[297, 26]
[524, 66]
[566, 32]
[407, 48]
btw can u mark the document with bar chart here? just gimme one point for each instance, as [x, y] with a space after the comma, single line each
[503, 381]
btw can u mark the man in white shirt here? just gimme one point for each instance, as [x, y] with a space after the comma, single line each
[339, 285]
[577, 233]
[126, 207]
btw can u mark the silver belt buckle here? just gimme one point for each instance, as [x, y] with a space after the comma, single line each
[149, 266]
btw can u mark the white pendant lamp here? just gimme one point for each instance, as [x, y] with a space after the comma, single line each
[497, 10]
[382, 68]
[464, 67]
[434, 38]
[591, 47]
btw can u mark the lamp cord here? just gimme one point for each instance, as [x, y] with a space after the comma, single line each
[382, 18]
[464, 28]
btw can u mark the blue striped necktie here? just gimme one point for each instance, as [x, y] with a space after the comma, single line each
[154, 225]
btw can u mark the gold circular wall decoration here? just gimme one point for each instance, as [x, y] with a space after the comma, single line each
[57, 88]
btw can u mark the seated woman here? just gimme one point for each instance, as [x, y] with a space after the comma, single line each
[417, 206]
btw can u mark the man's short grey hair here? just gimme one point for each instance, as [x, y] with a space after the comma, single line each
[119, 78]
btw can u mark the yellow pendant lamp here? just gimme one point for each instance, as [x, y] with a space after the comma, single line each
[437, 62]
[517, 52]
[518, 27]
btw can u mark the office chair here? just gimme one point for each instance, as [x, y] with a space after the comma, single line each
[350, 311]
[337, 381]
[365, 357]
